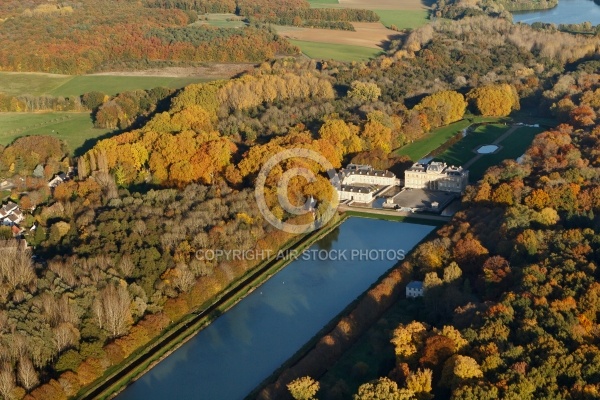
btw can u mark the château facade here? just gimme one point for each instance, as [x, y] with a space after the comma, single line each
[436, 176]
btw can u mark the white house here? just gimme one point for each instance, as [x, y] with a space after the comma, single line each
[10, 214]
[436, 176]
[360, 194]
[414, 289]
[57, 180]
[360, 182]
[366, 174]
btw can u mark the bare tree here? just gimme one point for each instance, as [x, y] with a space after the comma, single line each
[115, 309]
[126, 266]
[27, 373]
[7, 381]
[65, 336]
[184, 279]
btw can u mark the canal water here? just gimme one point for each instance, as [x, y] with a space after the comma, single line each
[566, 12]
[249, 342]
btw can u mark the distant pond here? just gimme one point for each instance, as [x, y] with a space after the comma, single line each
[567, 12]
[241, 348]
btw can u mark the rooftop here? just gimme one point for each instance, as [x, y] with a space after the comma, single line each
[357, 189]
[415, 285]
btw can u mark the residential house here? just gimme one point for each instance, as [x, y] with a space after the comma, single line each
[57, 180]
[10, 214]
[414, 289]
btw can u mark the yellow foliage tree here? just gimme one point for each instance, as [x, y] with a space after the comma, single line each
[443, 108]
[496, 100]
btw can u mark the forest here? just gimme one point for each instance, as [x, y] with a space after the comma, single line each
[515, 270]
[511, 302]
[107, 35]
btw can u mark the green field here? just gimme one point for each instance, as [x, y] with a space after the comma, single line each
[513, 147]
[403, 19]
[74, 128]
[339, 52]
[64, 85]
[437, 137]
[463, 151]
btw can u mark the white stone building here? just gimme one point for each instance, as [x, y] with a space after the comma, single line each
[360, 194]
[414, 289]
[359, 183]
[436, 176]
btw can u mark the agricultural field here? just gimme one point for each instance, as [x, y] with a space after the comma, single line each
[367, 34]
[74, 128]
[220, 21]
[404, 19]
[14, 83]
[332, 51]
[323, 3]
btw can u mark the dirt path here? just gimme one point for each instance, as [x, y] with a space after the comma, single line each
[495, 142]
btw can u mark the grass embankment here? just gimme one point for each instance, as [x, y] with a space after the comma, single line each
[396, 218]
[323, 350]
[73, 128]
[333, 51]
[118, 377]
[425, 145]
[15, 83]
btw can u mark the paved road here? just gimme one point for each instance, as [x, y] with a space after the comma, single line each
[379, 211]
[497, 141]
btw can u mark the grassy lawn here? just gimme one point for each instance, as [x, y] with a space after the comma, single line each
[64, 85]
[74, 128]
[437, 137]
[462, 151]
[513, 147]
[403, 19]
[340, 52]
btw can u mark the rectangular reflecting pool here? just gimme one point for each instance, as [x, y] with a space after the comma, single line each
[241, 348]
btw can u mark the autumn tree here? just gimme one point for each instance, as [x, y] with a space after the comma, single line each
[420, 383]
[304, 388]
[496, 100]
[382, 389]
[583, 116]
[443, 108]
[364, 91]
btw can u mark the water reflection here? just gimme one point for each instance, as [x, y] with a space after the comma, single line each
[245, 345]
[566, 12]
